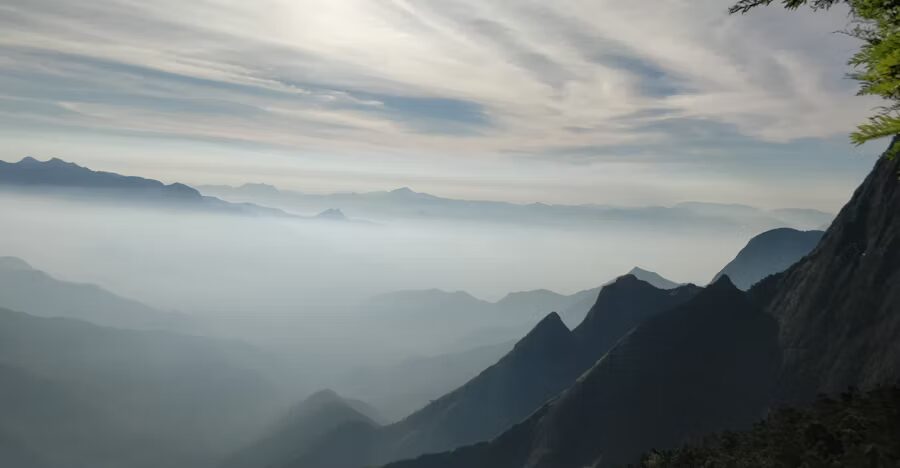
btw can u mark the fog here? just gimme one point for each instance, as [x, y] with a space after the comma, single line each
[221, 264]
[333, 303]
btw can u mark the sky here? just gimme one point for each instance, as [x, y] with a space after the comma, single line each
[570, 101]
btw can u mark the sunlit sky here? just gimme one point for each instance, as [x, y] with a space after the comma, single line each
[565, 101]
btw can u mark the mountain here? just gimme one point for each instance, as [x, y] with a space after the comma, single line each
[82, 396]
[718, 362]
[653, 278]
[480, 409]
[620, 307]
[543, 363]
[424, 379]
[839, 307]
[61, 178]
[407, 204]
[769, 253]
[535, 304]
[24, 288]
[332, 214]
[704, 365]
[464, 322]
[316, 416]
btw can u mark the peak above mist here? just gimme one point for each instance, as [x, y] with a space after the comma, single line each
[59, 178]
[333, 214]
[653, 278]
[769, 253]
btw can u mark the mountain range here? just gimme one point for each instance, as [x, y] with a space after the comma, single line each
[27, 289]
[719, 361]
[406, 204]
[505, 392]
[647, 368]
[716, 358]
[303, 426]
[56, 177]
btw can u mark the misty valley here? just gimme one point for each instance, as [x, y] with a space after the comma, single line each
[147, 324]
[450, 234]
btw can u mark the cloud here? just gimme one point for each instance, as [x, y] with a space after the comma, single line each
[480, 77]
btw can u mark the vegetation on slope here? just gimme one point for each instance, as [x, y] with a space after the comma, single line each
[861, 430]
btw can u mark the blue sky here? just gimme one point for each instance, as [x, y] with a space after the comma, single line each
[571, 101]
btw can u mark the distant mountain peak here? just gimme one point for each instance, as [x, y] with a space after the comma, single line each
[14, 263]
[653, 278]
[260, 188]
[770, 252]
[323, 396]
[52, 162]
[550, 329]
[723, 283]
[403, 191]
[528, 295]
[332, 213]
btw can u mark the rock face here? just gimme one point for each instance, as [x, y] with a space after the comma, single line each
[839, 308]
[769, 253]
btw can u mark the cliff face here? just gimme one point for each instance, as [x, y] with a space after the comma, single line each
[839, 308]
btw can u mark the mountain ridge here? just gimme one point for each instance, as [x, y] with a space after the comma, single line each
[768, 253]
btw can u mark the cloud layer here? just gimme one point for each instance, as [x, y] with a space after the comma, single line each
[573, 80]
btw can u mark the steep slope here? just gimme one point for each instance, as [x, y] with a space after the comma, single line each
[856, 430]
[839, 308]
[543, 363]
[319, 414]
[24, 288]
[482, 408]
[58, 177]
[185, 399]
[706, 365]
[621, 306]
[769, 253]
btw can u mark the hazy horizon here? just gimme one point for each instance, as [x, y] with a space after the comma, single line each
[525, 102]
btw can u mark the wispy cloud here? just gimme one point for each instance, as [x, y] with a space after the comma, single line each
[567, 101]
[476, 76]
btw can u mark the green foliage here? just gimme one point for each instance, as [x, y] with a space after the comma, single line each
[855, 430]
[877, 63]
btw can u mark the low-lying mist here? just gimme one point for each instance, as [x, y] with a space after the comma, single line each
[301, 287]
